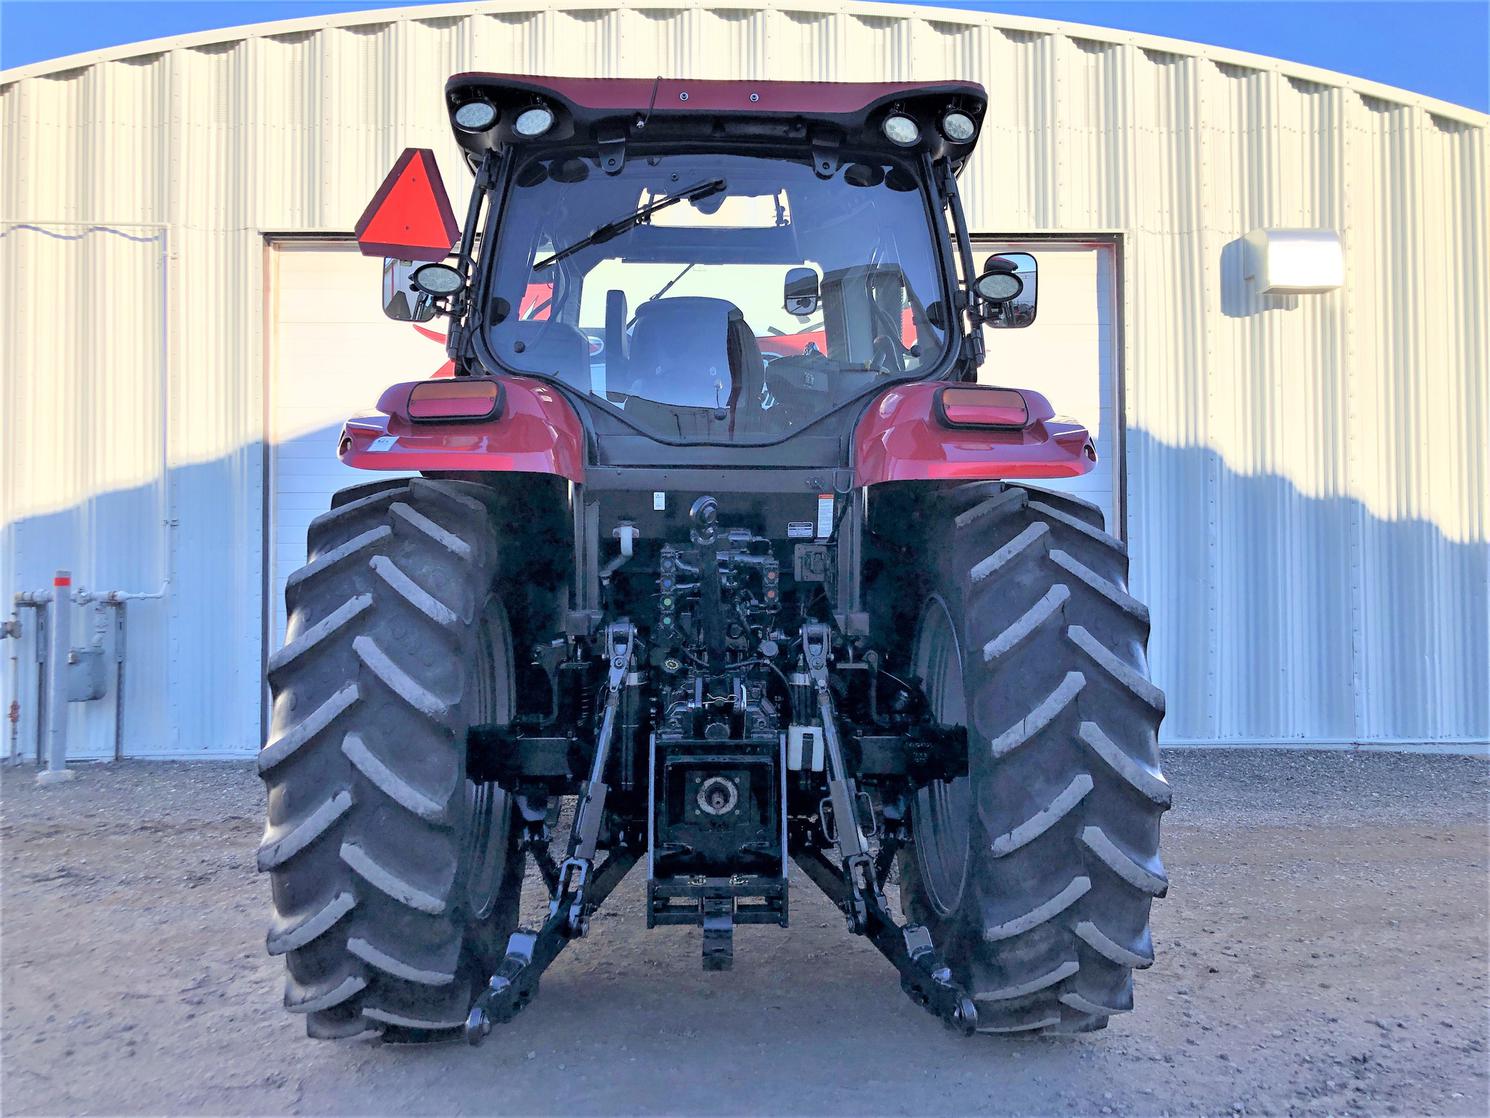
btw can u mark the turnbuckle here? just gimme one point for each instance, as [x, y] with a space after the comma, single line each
[584, 836]
[843, 796]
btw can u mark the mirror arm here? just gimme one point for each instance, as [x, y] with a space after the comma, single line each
[484, 180]
[971, 303]
[455, 337]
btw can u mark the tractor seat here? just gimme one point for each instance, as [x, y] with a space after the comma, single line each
[695, 352]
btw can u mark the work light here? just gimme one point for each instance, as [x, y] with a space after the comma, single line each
[475, 116]
[438, 280]
[958, 127]
[534, 122]
[901, 130]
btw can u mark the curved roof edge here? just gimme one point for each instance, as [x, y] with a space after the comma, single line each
[963, 16]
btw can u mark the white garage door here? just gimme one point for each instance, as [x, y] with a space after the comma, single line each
[333, 352]
[1069, 353]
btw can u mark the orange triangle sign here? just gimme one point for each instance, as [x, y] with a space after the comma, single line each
[409, 217]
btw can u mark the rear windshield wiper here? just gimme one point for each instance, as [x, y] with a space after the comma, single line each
[620, 225]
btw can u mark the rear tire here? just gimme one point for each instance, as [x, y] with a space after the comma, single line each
[395, 879]
[1034, 873]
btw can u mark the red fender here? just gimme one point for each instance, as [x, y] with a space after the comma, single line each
[537, 432]
[900, 438]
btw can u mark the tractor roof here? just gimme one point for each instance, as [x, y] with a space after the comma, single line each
[627, 110]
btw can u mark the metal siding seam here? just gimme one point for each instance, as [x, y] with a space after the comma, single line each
[1353, 440]
[1200, 122]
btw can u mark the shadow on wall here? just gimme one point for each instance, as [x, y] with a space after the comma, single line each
[192, 664]
[1277, 617]
[1280, 617]
[1238, 299]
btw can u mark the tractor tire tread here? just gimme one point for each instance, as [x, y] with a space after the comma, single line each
[1065, 786]
[365, 764]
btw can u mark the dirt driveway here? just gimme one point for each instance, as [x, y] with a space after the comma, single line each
[1323, 950]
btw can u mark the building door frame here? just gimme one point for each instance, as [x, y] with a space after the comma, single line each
[1113, 244]
[269, 496]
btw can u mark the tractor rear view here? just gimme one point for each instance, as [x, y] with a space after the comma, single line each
[715, 537]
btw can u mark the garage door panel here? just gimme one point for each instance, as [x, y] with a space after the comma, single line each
[306, 494]
[1074, 285]
[1068, 354]
[328, 344]
[342, 305]
[333, 353]
[310, 449]
[335, 291]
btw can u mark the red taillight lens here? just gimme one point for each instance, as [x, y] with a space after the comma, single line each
[458, 398]
[983, 407]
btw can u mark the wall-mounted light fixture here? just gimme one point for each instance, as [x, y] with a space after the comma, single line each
[1293, 261]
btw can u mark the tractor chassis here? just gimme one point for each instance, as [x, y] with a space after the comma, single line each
[578, 886]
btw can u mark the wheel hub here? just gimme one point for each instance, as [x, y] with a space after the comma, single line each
[488, 808]
[942, 810]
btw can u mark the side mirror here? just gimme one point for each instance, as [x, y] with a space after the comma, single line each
[401, 301]
[1008, 286]
[800, 295]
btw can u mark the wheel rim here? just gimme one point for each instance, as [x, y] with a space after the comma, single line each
[941, 811]
[488, 809]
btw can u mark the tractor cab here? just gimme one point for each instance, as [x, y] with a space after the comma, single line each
[709, 262]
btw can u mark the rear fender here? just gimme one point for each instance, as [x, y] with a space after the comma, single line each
[536, 432]
[901, 438]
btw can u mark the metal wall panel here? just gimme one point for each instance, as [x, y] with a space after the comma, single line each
[1307, 476]
[82, 448]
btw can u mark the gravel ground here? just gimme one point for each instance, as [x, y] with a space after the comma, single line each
[1323, 950]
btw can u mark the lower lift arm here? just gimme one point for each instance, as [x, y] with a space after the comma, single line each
[853, 884]
[580, 887]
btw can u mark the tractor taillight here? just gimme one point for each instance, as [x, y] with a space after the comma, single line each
[456, 398]
[982, 407]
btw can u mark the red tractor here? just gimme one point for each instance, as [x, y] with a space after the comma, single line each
[731, 605]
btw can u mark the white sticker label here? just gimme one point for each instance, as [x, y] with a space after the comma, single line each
[383, 442]
[659, 501]
[824, 515]
[799, 530]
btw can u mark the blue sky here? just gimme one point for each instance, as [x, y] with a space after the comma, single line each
[1437, 47]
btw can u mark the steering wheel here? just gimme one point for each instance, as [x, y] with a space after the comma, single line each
[888, 358]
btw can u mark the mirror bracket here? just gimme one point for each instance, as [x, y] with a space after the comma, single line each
[400, 301]
[1018, 308]
[612, 144]
[825, 157]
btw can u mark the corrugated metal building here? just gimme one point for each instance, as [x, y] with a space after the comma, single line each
[1303, 479]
